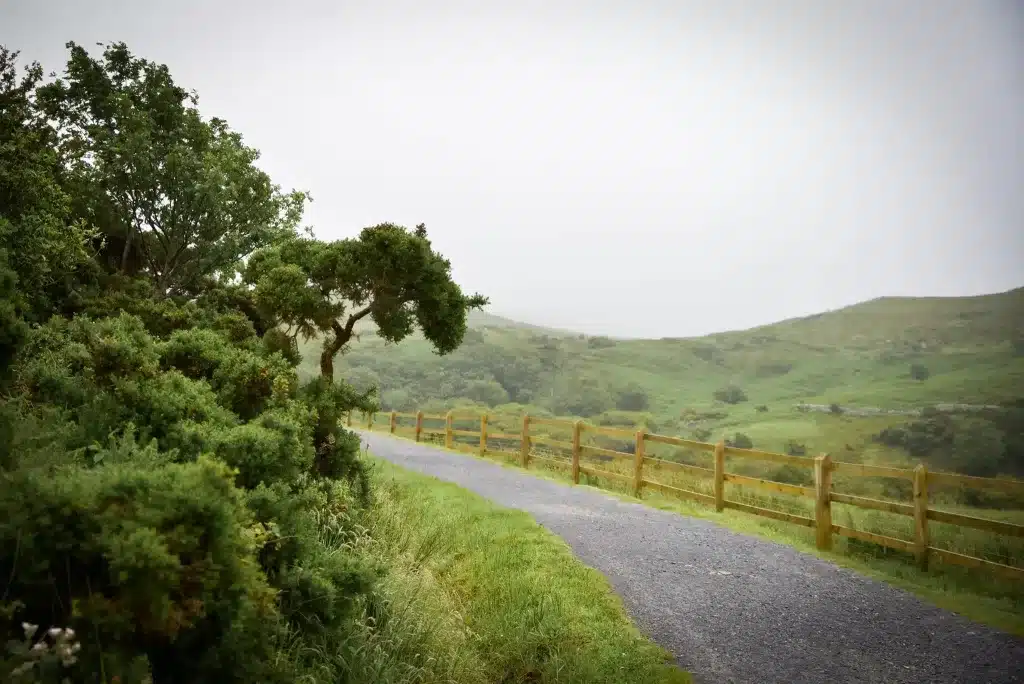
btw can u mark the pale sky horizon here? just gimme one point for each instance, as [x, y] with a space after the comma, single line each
[637, 169]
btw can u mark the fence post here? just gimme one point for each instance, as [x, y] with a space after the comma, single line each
[577, 428]
[823, 502]
[394, 419]
[638, 462]
[419, 424]
[524, 449]
[921, 516]
[483, 434]
[448, 436]
[720, 476]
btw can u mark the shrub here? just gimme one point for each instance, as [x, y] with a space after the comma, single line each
[794, 448]
[600, 342]
[731, 394]
[705, 352]
[702, 434]
[740, 441]
[835, 409]
[792, 474]
[919, 372]
[154, 562]
[486, 392]
[633, 398]
[761, 408]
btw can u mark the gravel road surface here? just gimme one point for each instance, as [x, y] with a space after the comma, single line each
[735, 608]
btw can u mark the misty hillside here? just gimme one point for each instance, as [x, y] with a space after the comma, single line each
[890, 353]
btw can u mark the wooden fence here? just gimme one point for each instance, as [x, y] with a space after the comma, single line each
[821, 493]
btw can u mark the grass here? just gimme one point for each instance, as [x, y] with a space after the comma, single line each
[857, 357]
[478, 593]
[975, 595]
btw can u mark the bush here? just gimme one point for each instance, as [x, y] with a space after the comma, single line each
[792, 474]
[740, 441]
[730, 394]
[633, 398]
[155, 562]
[702, 434]
[761, 408]
[486, 392]
[919, 372]
[600, 342]
[794, 448]
[835, 409]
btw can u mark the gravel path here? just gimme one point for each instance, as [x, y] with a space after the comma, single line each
[735, 608]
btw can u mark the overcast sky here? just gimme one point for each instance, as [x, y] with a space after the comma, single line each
[630, 168]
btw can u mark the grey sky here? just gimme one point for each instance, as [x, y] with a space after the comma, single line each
[630, 168]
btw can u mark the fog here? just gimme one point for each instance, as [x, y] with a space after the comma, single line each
[639, 169]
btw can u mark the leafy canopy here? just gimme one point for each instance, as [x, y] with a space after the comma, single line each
[177, 197]
[389, 274]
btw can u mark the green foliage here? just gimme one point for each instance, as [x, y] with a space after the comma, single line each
[486, 392]
[792, 474]
[152, 562]
[740, 441]
[835, 409]
[169, 492]
[633, 398]
[600, 342]
[389, 274]
[178, 198]
[795, 448]
[40, 245]
[919, 371]
[730, 394]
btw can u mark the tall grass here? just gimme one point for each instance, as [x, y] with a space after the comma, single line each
[477, 593]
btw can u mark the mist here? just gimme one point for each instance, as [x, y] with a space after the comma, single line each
[635, 169]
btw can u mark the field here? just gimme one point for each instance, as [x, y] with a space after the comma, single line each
[861, 357]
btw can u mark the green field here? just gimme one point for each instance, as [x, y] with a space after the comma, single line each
[858, 357]
[478, 593]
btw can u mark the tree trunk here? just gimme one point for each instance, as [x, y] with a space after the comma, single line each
[331, 349]
[333, 345]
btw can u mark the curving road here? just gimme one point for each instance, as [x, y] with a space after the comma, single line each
[735, 608]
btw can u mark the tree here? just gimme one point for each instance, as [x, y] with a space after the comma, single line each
[40, 247]
[486, 392]
[176, 197]
[389, 274]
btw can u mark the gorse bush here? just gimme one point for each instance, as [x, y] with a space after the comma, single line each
[175, 506]
[730, 394]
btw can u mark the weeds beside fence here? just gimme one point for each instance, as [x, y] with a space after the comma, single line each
[928, 524]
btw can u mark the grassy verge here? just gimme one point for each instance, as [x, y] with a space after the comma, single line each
[478, 593]
[973, 594]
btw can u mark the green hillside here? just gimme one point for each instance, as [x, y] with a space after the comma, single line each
[899, 354]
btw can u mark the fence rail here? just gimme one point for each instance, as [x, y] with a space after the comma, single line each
[821, 493]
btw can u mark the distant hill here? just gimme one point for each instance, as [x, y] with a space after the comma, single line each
[895, 353]
[484, 319]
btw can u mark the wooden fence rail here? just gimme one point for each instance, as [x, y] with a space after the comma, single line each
[821, 493]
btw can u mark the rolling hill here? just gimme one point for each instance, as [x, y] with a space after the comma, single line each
[895, 354]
